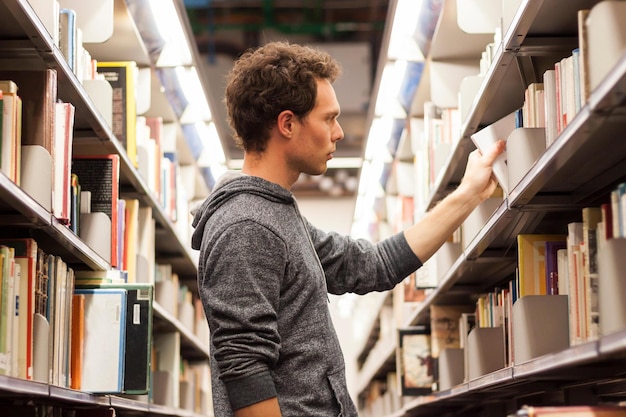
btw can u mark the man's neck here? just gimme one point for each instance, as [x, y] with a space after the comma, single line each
[261, 165]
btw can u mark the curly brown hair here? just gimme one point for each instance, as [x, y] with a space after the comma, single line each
[270, 79]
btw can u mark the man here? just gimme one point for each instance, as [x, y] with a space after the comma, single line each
[265, 271]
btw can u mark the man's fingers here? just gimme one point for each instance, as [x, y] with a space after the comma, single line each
[495, 151]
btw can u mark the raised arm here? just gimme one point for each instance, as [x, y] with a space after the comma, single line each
[427, 235]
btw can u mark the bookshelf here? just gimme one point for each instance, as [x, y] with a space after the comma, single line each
[26, 44]
[579, 169]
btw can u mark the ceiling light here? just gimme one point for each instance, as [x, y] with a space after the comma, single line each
[378, 138]
[402, 43]
[175, 48]
[211, 148]
[387, 102]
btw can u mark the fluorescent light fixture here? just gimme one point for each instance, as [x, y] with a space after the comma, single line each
[176, 50]
[369, 183]
[197, 108]
[212, 152]
[402, 43]
[378, 139]
[387, 102]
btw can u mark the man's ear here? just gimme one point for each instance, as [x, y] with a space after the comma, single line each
[284, 123]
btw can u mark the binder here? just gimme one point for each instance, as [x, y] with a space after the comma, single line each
[104, 339]
[138, 333]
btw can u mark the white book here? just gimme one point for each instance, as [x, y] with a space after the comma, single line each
[105, 321]
[570, 88]
[15, 325]
[549, 87]
[561, 261]
[62, 160]
[10, 314]
[574, 238]
[8, 133]
[486, 137]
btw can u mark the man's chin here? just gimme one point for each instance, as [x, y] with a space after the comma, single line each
[317, 171]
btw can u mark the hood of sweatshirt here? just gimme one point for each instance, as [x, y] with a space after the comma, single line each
[228, 186]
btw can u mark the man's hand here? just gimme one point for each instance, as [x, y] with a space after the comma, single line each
[478, 179]
[431, 231]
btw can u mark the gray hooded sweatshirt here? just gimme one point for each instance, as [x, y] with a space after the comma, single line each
[263, 277]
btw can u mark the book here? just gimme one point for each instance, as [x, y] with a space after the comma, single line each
[26, 257]
[563, 273]
[38, 91]
[6, 271]
[68, 37]
[549, 87]
[138, 338]
[531, 262]
[62, 142]
[532, 110]
[99, 175]
[10, 133]
[138, 334]
[487, 136]
[583, 58]
[131, 231]
[155, 124]
[591, 217]
[75, 193]
[575, 285]
[104, 320]
[170, 170]
[15, 316]
[77, 341]
[122, 77]
[60, 281]
[121, 243]
[552, 272]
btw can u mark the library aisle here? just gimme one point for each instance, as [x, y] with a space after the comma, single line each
[108, 140]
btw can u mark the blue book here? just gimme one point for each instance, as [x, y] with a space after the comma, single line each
[67, 37]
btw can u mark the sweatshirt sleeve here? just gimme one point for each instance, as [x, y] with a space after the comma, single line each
[241, 289]
[360, 266]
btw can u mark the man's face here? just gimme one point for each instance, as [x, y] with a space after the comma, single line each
[316, 135]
